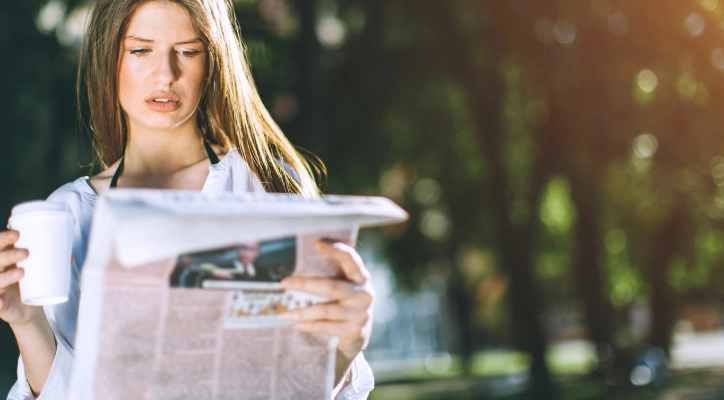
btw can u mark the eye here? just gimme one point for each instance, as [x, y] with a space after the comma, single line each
[190, 53]
[139, 52]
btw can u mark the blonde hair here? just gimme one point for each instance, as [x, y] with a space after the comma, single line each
[230, 114]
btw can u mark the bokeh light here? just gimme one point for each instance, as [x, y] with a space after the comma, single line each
[717, 58]
[686, 85]
[355, 19]
[615, 241]
[647, 80]
[716, 168]
[718, 171]
[645, 145]
[694, 24]
[564, 32]
[50, 16]
[426, 191]
[70, 32]
[435, 224]
[438, 363]
[331, 32]
[618, 24]
[642, 375]
[709, 5]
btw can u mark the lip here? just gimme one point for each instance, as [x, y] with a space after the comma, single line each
[172, 105]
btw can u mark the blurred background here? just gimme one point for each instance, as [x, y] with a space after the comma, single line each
[562, 162]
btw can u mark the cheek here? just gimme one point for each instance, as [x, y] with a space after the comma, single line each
[198, 77]
[127, 84]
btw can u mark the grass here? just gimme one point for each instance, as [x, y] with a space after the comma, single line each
[571, 358]
[689, 386]
[501, 375]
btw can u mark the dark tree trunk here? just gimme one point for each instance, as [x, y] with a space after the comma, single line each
[588, 275]
[668, 241]
[461, 310]
[306, 55]
[526, 310]
[484, 94]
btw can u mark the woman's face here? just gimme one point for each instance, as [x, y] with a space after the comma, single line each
[162, 67]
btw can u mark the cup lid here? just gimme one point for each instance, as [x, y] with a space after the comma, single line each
[38, 205]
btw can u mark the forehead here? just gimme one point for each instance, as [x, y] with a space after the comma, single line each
[161, 22]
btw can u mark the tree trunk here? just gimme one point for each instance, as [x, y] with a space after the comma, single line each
[587, 271]
[484, 98]
[526, 310]
[461, 303]
[307, 54]
[668, 241]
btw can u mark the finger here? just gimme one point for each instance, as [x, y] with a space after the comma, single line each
[332, 328]
[329, 312]
[348, 258]
[8, 237]
[333, 288]
[12, 256]
[10, 276]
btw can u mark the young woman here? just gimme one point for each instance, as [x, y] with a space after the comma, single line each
[171, 104]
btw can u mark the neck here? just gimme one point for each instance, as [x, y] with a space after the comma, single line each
[162, 152]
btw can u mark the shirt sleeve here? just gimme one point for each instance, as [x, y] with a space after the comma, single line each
[359, 382]
[62, 320]
[56, 387]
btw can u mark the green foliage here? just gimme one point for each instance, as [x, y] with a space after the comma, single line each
[553, 264]
[695, 273]
[556, 208]
[519, 147]
[624, 279]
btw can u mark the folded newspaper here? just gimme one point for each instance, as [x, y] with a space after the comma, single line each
[182, 300]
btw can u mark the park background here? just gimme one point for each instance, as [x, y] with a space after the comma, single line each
[561, 161]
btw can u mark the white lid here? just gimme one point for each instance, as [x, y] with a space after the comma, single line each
[38, 205]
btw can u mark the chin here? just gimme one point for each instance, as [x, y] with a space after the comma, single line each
[162, 122]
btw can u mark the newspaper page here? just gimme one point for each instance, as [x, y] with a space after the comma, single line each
[182, 296]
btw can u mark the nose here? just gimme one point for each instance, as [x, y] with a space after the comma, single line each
[166, 69]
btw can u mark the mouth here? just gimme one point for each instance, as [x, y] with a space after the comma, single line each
[163, 101]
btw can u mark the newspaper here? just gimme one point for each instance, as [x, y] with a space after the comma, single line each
[181, 294]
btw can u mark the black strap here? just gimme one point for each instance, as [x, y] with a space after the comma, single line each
[119, 171]
[213, 158]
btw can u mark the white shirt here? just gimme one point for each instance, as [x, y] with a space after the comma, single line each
[231, 174]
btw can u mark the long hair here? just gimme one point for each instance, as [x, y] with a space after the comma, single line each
[230, 113]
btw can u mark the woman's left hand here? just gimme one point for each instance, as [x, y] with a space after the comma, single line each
[349, 313]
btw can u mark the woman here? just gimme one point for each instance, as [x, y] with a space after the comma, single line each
[171, 104]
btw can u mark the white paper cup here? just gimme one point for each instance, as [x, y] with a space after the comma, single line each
[46, 230]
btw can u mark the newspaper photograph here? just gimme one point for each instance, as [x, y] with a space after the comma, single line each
[252, 273]
[182, 294]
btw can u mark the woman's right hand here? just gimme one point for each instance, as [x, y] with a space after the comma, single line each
[12, 309]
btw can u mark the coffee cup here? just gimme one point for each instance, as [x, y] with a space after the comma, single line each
[46, 231]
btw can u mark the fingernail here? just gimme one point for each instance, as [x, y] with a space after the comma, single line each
[290, 316]
[287, 283]
[302, 326]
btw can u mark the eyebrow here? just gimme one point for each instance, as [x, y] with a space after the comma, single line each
[140, 39]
